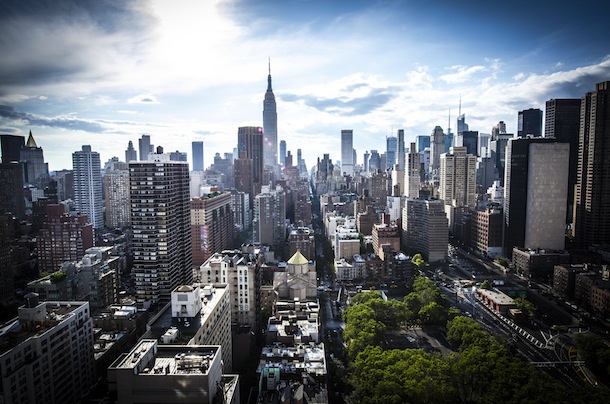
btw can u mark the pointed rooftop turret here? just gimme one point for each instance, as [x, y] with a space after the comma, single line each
[298, 259]
[31, 142]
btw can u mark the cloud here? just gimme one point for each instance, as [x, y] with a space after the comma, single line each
[462, 74]
[69, 41]
[8, 130]
[62, 121]
[143, 99]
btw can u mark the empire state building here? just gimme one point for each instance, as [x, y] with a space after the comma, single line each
[269, 125]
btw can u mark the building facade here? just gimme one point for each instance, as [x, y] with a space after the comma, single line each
[212, 225]
[47, 353]
[87, 173]
[160, 219]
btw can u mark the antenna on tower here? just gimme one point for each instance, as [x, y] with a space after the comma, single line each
[270, 66]
[460, 109]
[449, 122]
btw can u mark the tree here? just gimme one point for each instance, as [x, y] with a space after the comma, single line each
[525, 306]
[503, 261]
[419, 261]
[486, 284]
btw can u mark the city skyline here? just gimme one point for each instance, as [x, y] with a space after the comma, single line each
[105, 73]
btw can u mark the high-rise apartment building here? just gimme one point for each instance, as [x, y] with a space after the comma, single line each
[241, 272]
[87, 173]
[130, 153]
[11, 147]
[269, 221]
[458, 174]
[437, 147]
[116, 190]
[47, 353]
[197, 156]
[535, 193]
[35, 169]
[160, 219]
[145, 147]
[562, 122]
[63, 237]
[347, 152]
[592, 193]
[270, 125]
[212, 225]
[529, 123]
[425, 228]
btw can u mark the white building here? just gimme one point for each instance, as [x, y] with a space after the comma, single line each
[413, 173]
[47, 353]
[87, 174]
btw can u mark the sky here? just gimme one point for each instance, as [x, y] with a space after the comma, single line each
[104, 72]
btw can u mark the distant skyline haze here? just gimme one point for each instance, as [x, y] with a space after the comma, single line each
[103, 73]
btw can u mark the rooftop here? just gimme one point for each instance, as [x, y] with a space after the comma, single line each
[148, 358]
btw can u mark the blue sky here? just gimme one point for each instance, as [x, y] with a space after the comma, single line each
[105, 72]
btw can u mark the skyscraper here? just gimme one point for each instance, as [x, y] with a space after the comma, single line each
[11, 147]
[391, 149]
[529, 122]
[250, 146]
[562, 121]
[283, 153]
[425, 228]
[198, 156]
[422, 142]
[592, 193]
[160, 219]
[11, 183]
[458, 178]
[413, 173]
[437, 147]
[470, 140]
[116, 190]
[400, 157]
[145, 147]
[212, 225]
[269, 222]
[347, 151]
[270, 125]
[88, 185]
[130, 153]
[36, 170]
[535, 194]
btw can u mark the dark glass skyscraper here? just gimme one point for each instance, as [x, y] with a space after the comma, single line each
[11, 146]
[529, 123]
[270, 125]
[592, 193]
[197, 156]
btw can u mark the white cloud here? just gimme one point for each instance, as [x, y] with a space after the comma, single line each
[462, 74]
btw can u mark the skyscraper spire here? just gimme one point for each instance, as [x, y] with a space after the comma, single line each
[31, 142]
[269, 78]
[270, 124]
[460, 108]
